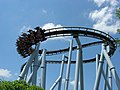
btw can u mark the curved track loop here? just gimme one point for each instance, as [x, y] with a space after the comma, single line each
[76, 31]
[81, 31]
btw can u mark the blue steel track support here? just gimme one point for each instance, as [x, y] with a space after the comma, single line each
[43, 70]
[79, 67]
[35, 66]
[61, 72]
[97, 63]
[55, 83]
[100, 68]
[106, 77]
[112, 69]
[68, 66]
[59, 80]
[106, 81]
[110, 78]
[72, 31]
[77, 70]
[28, 64]
[31, 74]
[108, 49]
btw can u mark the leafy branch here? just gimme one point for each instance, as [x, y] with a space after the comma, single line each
[17, 85]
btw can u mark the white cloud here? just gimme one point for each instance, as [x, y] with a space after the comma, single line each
[5, 73]
[98, 14]
[99, 2]
[104, 17]
[110, 2]
[52, 25]
[45, 26]
[113, 2]
[107, 28]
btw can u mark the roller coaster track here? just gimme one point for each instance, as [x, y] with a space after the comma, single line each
[28, 45]
[79, 31]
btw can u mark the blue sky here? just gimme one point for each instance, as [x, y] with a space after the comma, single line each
[17, 16]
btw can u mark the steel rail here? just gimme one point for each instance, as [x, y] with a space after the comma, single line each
[79, 31]
[82, 31]
[64, 50]
[72, 62]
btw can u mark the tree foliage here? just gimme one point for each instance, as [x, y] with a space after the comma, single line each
[118, 30]
[17, 85]
[118, 13]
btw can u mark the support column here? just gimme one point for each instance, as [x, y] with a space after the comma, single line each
[112, 69]
[61, 72]
[68, 66]
[79, 67]
[108, 49]
[30, 78]
[35, 66]
[110, 79]
[77, 70]
[100, 67]
[106, 81]
[26, 67]
[97, 63]
[31, 75]
[55, 83]
[106, 76]
[43, 69]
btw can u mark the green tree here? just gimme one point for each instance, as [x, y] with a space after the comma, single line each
[118, 13]
[17, 85]
[118, 30]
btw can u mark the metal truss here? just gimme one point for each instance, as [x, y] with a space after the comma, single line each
[37, 59]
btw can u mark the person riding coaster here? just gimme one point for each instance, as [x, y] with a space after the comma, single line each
[26, 40]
